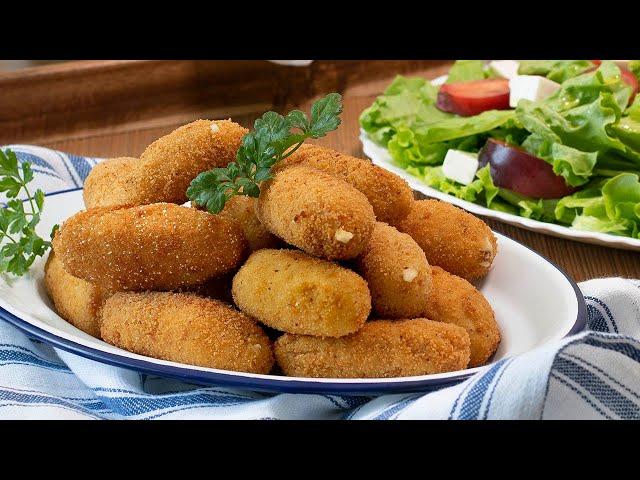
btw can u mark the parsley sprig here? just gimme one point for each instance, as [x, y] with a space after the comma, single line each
[20, 244]
[274, 138]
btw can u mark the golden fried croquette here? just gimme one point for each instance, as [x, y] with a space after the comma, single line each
[242, 209]
[293, 292]
[150, 247]
[451, 238]
[381, 348]
[76, 300]
[320, 214]
[186, 328]
[167, 166]
[454, 300]
[388, 194]
[397, 272]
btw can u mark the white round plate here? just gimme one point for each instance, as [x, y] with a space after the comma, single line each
[381, 157]
[541, 306]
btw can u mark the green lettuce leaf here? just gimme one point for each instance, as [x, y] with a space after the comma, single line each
[556, 70]
[466, 70]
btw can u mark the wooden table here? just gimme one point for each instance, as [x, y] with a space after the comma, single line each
[116, 108]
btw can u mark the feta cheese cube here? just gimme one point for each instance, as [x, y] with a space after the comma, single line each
[530, 87]
[506, 68]
[460, 166]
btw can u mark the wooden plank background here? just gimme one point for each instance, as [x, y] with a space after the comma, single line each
[116, 108]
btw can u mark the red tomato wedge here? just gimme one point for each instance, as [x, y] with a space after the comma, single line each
[517, 170]
[597, 62]
[474, 97]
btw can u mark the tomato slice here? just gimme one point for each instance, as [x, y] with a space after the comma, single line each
[474, 97]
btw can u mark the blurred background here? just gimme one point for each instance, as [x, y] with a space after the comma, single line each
[11, 65]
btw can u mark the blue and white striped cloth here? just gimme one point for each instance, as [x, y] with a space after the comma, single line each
[593, 375]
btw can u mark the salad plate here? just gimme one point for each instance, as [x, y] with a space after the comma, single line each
[532, 310]
[583, 137]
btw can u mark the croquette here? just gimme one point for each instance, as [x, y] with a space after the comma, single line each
[455, 301]
[75, 300]
[381, 348]
[293, 292]
[151, 247]
[186, 328]
[389, 195]
[320, 214]
[167, 166]
[397, 272]
[242, 209]
[451, 238]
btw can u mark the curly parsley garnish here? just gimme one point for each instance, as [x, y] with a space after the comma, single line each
[20, 244]
[273, 139]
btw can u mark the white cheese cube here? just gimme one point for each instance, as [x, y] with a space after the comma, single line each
[505, 68]
[460, 166]
[530, 87]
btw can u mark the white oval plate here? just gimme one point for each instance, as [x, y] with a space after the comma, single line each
[542, 306]
[381, 157]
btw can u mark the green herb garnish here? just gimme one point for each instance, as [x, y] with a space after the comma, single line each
[273, 139]
[20, 242]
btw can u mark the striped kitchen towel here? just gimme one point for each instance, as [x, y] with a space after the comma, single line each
[593, 375]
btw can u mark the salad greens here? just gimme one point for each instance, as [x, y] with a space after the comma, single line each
[585, 130]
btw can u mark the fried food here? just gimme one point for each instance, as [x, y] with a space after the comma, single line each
[76, 300]
[150, 247]
[320, 214]
[388, 194]
[242, 209]
[451, 238]
[293, 292]
[381, 348]
[455, 301]
[397, 272]
[186, 328]
[167, 166]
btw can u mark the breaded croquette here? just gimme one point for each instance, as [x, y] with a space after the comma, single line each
[454, 300]
[320, 214]
[242, 209]
[389, 195]
[381, 348]
[185, 328]
[290, 291]
[397, 272]
[451, 238]
[167, 166]
[150, 247]
[76, 300]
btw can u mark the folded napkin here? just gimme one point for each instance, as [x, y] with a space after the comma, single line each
[592, 375]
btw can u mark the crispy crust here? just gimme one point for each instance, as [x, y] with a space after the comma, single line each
[150, 247]
[382, 348]
[76, 300]
[186, 328]
[388, 194]
[312, 210]
[293, 292]
[167, 166]
[451, 238]
[243, 210]
[454, 300]
[397, 272]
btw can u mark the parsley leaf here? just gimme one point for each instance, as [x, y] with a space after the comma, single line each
[274, 137]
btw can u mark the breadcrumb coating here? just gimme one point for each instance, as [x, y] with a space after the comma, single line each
[75, 300]
[389, 195]
[185, 328]
[242, 209]
[381, 348]
[167, 166]
[455, 301]
[451, 238]
[151, 247]
[293, 292]
[320, 214]
[397, 272]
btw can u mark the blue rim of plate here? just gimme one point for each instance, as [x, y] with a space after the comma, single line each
[275, 385]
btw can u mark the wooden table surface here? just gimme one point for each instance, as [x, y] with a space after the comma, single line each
[129, 135]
